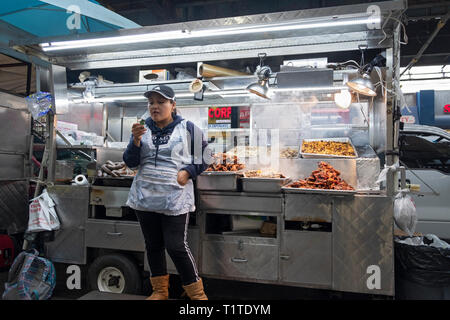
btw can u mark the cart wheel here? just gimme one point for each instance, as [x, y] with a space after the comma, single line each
[115, 273]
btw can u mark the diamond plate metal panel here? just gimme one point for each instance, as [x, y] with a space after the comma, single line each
[14, 206]
[363, 237]
[72, 205]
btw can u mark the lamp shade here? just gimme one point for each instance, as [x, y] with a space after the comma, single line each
[362, 85]
[260, 89]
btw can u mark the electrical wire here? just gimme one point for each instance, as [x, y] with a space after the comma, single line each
[361, 108]
[405, 36]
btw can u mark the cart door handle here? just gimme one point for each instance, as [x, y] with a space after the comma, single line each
[238, 260]
[114, 234]
[285, 257]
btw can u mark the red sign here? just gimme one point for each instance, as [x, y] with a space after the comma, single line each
[220, 113]
[408, 119]
[447, 108]
[244, 117]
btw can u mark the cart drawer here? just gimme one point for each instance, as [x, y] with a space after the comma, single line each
[241, 203]
[109, 196]
[306, 257]
[308, 207]
[114, 235]
[240, 259]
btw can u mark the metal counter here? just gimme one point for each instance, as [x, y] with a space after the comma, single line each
[342, 259]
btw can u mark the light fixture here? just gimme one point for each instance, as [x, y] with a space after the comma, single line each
[347, 20]
[343, 99]
[362, 85]
[261, 88]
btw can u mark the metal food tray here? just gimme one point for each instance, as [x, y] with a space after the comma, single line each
[269, 185]
[320, 155]
[218, 180]
[323, 191]
[221, 173]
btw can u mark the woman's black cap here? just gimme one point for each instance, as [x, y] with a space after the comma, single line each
[163, 90]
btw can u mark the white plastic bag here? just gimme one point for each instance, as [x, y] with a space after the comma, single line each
[42, 214]
[437, 243]
[405, 213]
[383, 173]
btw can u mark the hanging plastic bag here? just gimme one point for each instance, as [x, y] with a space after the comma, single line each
[383, 173]
[405, 216]
[42, 214]
[39, 104]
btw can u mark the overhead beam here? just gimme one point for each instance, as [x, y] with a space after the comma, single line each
[95, 11]
[9, 65]
[419, 54]
[429, 5]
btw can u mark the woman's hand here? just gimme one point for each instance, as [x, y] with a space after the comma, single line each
[138, 131]
[183, 177]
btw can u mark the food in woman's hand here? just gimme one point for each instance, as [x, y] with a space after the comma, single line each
[225, 162]
[326, 177]
[328, 148]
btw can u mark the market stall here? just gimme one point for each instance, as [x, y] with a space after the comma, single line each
[299, 203]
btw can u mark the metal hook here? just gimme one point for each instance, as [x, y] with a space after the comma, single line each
[261, 56]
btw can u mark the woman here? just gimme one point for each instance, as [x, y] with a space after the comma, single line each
[162, 193]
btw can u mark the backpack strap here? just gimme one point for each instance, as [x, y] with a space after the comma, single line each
[16, 267]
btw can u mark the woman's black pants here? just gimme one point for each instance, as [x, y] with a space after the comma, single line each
[163, 232]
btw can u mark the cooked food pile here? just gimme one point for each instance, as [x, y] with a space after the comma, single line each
[247, 151]
[328, 147]
[326, 177]
[263, 174]
[116, 169]
[289, 153]
[225, 162]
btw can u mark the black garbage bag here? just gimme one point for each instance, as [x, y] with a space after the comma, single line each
[424, 265]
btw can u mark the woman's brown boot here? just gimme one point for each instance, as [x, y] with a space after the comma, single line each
[195, 291]
[160, 287]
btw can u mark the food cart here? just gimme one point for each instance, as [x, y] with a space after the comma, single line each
[325, 239]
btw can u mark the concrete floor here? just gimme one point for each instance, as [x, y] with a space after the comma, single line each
[214, 288]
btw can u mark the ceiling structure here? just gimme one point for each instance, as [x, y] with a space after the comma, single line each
[425, 21]
[421, 18]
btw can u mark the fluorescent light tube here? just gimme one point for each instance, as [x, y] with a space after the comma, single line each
[184, 34]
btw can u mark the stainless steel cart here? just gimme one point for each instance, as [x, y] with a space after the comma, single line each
[338, 242]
